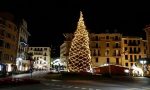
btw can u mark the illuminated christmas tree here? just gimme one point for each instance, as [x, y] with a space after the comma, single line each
[79, 54]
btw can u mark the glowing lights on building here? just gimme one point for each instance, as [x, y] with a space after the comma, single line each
[137, 71]
[9, 68]
[0, 67]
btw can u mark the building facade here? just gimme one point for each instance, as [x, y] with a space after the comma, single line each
[64, 50]
[41, 57]
[8, 42]
[105, 49]
[134, 48]
[110, 48]
[21, 60]
[147, 30]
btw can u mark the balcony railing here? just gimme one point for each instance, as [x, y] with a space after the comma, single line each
[117, 55]
[116, 46]
[133, 44]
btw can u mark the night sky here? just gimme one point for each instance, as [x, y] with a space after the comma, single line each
[49, 19]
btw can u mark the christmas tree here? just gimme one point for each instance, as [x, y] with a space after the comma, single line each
[79, 54]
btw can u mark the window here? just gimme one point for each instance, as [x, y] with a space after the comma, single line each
[6, 56]
[45, 49]
[139, 49]
[125, 49]
[1, 43]
[96, 60]
[144, 44]
[126, 64]
[45, 54]
[131, 59]
[96, 45]
[107, 44]
[94, 54]
[7, 45]
[0, 55]
[107, 53]
[117, 60]
[131, 64]
[134, 50]
[139, 56]
[107, 37]
[125, 41]
[117, 45]
[130, 41]
[44, 58]
[96, 38]
[116, 38]
[138, 41]
[134, 42]
[98, 52]
[30, 48]
[144, 51]
[108, 60]
[126, 57]
[135, 57]
[130, 50]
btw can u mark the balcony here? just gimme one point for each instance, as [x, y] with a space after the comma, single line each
[134, 52]
[1, 37]
[133, 44]
[116, 39]
[116, 55]
[116, 46]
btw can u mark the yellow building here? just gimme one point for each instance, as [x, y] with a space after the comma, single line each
[105, 49]
[133, 48]
[110, 48]
[8, 41]
[147, 30]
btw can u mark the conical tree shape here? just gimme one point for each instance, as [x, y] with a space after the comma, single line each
[79, 54]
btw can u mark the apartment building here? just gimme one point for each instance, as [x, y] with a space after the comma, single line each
[110, 48]
[8, 42]
[21, 61]
[134, 48]
[41, 57]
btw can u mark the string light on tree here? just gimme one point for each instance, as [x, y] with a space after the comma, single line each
[79, 54]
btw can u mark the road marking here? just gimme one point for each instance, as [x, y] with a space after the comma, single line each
[55, 80]
[56, 88]
[69, 86]
[63, 86]
[98, 89]
[91, 89]
[83, 88]
[46, 84]
[76, 87]
[146, 88]
[133, 89]
[58, 85]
